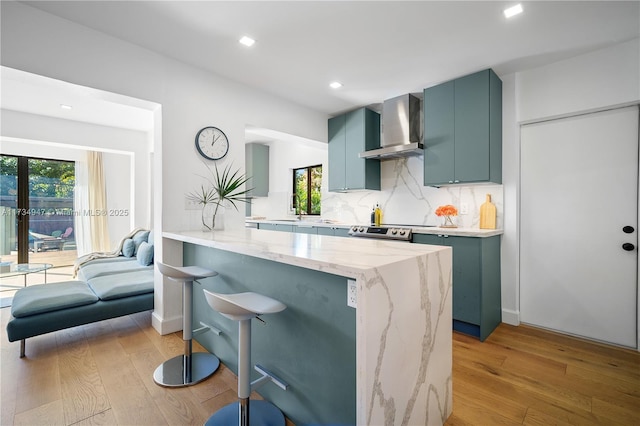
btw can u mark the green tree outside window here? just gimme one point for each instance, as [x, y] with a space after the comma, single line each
[307, 185]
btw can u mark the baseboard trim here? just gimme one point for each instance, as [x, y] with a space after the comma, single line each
[511, 317]
[166, 326]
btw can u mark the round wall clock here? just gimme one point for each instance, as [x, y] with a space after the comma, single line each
[212, 143]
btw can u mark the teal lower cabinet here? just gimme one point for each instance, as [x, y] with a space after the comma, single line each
[300, 229]
[276, 227]
[311, 345]
[477, 308]
[330, 230]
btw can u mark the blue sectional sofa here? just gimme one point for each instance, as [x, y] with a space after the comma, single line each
[106, 288]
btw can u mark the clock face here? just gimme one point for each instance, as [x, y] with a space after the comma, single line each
[212, 143]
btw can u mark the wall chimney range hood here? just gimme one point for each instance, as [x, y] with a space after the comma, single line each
[401, 135]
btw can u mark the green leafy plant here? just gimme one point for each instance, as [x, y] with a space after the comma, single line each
[225, 187]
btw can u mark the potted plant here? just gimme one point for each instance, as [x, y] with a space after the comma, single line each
[224, 188]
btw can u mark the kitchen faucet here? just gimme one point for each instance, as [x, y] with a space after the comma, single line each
[295, 203]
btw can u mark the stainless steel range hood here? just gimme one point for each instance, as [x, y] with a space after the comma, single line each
[401, 135]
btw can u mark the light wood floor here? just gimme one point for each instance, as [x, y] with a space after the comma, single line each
[101, 374]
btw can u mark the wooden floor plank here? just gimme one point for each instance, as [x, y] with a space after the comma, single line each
[50, 414]
[83, 393]
[130, 401]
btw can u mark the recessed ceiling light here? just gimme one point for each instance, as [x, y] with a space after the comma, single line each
[63, 106]
[335, 85]
[247, 41]
[513, 11]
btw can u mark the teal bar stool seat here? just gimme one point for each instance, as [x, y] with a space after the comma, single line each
[189, 368]
[243, 307]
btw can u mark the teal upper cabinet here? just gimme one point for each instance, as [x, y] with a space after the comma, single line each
[349, 135]
[463, 130]
[257, 166]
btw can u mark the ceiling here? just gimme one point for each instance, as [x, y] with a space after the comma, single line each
[377, 49]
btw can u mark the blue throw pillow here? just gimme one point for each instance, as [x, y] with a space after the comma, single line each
[150, 238]
[145, 254]
[128, 248]
[141, 236]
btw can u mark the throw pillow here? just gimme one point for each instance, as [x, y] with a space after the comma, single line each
[128, 248]
[140, 237]
[145, 254]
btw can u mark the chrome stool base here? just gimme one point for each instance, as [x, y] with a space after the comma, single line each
[172, 373]
[261, 413]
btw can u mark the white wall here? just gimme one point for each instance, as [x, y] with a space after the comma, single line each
[190, 99]
[125, 155]
[598, 80]
[284, 156]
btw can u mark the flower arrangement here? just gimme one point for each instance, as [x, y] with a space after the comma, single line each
[447, 211]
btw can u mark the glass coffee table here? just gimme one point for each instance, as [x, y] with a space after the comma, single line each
[23, 269]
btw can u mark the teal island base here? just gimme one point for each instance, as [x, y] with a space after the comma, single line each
[311, 345]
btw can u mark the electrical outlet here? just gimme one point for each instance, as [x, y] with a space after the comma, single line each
[191, 204]
[352, 294]
[464, 208]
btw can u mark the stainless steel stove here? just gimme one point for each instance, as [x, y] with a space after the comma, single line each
[391, 232]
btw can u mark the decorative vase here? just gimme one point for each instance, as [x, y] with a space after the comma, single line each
[213, 217]
[448, 222]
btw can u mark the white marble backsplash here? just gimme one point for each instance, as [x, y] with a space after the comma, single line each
[403, 199]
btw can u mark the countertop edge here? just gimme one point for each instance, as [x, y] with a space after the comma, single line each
[432, 230]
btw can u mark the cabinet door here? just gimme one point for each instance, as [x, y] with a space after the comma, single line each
[257, 166]
[467, 278]
[337, 145]
[324, 230]
[275, 227]
[434, 240]
[305, 229]
[341, 232]
[472, 128]
[362, 133]
[439, 134]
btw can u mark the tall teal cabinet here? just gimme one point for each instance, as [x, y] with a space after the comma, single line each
[477, 308]
[463, 130]
[257, 167]
[349, 135]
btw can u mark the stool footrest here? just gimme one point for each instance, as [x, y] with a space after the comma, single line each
[266, 377]
[206, 327]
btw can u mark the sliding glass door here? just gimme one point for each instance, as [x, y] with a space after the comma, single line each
[37, 210]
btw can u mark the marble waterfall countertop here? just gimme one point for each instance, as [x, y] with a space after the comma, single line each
[403, 315]
[416, 229]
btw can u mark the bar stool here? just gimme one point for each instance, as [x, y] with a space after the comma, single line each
[189, 368]
[242, 307]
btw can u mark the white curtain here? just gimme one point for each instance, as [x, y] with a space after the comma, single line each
[92, 232]
[82, 229]
[99, 224]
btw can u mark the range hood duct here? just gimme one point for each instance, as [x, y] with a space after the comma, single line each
[401, 136]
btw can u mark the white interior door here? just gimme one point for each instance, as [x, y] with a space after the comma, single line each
[579, 189]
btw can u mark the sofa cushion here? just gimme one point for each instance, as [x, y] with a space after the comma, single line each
[37, 299]
[128, 247]
[145, 254]
[139, 238]
[126, 284]
[150, 237]
[91, 270]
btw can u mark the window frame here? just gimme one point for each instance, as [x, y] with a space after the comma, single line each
[309, 181]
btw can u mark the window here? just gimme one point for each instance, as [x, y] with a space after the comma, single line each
[307, 184]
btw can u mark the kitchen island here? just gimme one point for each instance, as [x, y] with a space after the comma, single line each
[386, 362]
